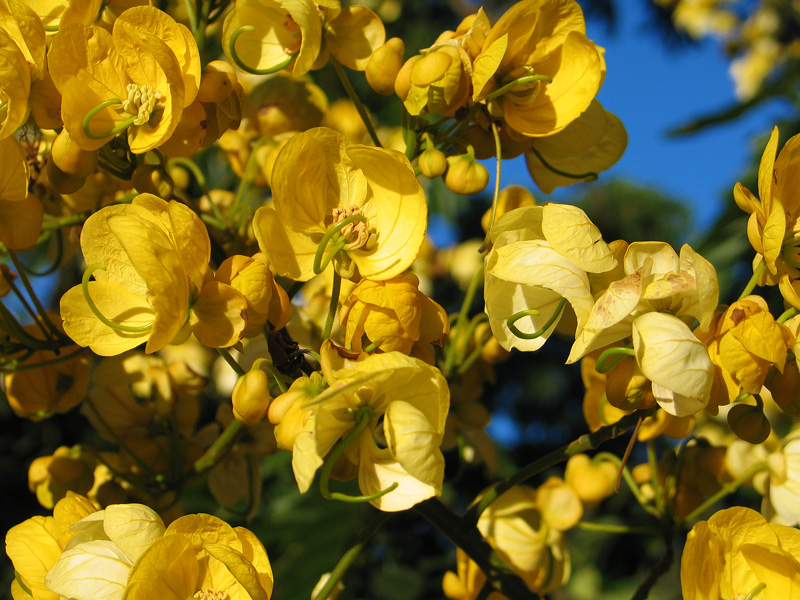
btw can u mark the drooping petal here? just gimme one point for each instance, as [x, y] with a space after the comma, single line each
[354, 35]
[219, 315]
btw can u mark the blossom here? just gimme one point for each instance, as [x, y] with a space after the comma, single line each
[540, 255]
[397, 406]
[736, 551]
[141, 75]
[201, 556]
[155, 282]
[543, 40]
[21, 214]
[320, 180]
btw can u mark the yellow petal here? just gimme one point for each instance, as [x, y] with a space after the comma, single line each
[354, 35]
[766, 171]
[244, 574]
[132, 527]
[219, 315]
[191, 241]
[589, 145]
[154, 257]
[168, 570]
[15, 79]
[485, 66]
[116, 304]
[291, 254]
[96, 569]
[33, 548]
[573, 235]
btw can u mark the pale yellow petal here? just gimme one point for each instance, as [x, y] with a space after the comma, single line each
[354, 35]
[219, 315]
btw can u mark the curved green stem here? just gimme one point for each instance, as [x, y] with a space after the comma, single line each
[610, 357]
[92, 113]
[351, 93]
[261, 363]
[787, 314]
[87, 274]
[487, 241]
[532, 312]
[248, 69]
[589, 175]
[757, 272]
[364, 419]
[217, 451]
[754, 592]
[522, 80]
[337, 286]
[319, 264]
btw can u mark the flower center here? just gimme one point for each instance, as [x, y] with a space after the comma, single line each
[522, 93]
[357, 233]
[140, 102]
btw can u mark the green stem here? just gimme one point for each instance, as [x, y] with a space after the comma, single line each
[10, 325]
[351, 93]
[610, 357]
[463, 533]
[26, 305]
[787, 314]
[217, 451]
[319, 263]
[727, 489]
[244, 184]
[247, 68]
[261, 363]
[757, 272]
[112, 132]
[522, 80]
[349, 557]
[44, 363]
[510, 322]
[452, 350]
[464, 366]
[32, 294]
[609, 528]
[652, 460]
[337, 286]
[487, 241]
[628, 477]
[588, 441]
[192, 15]
[87, 274]
[231, 361]
[364, 419]
[201, 22]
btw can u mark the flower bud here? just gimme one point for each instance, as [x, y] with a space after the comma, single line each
[749, 423]
[432, 162]
[250, 397]
[592, 480]
[71, 159]
[465, 175]
[217, 83]
[153, 179]
[61, 181]
[384, 65]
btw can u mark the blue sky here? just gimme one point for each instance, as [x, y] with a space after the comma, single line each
[653, 88]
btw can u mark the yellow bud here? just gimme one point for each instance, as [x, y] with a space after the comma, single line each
[180, 177]
[592, 480]
[71, 159]
[402, 83]
[384, 65]
[153, 179]
[749, 423]
[217, 82]
[430, 68]
[785, 388]
[432, 162]
[465, 175]
[60, 181]
[250, 397]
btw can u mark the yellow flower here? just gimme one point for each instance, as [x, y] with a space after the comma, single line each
[782, 504]
[96, 563]
[156, 281]
[393, 315]
[201, 556]
[772, 226]
[141, 75]
[396, 407]
[540, 256]
[67, 470]
[735, 553]
[540, 48]
[35, 545]
[321, 180]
